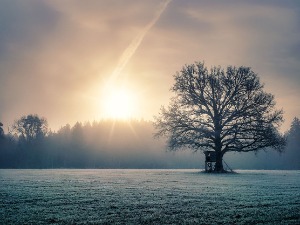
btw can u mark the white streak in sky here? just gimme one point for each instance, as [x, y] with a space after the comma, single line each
[130, 50]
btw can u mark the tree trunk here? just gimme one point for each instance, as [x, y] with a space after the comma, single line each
[219, 162]
[218, 144]
[219, 154]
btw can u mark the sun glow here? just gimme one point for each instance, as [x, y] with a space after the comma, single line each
[119, 104]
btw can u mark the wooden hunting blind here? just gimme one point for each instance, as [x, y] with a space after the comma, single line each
[210, 160]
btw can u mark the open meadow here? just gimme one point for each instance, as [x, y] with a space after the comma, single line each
[62, 196]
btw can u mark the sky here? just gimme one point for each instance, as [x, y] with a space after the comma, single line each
[70, 60]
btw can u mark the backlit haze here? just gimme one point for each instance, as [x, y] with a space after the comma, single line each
[86, 60]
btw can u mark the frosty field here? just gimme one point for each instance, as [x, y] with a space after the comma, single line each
[148, 197]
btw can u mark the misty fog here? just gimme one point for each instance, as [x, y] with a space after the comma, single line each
[128, 144]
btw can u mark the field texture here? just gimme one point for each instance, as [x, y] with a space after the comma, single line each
[148, 197]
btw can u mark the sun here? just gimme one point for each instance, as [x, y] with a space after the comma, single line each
[119, 104]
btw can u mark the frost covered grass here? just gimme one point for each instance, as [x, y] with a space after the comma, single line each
[148, 197]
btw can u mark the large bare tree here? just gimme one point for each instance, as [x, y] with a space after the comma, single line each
[220, 110]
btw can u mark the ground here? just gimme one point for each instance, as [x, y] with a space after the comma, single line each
[148, 197]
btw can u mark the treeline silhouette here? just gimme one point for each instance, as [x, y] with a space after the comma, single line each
[118, 144]
[102, 144]
[289, 159]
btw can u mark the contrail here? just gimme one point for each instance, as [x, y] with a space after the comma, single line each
[130, 50]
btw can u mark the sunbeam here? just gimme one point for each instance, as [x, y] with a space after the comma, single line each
[130, 50]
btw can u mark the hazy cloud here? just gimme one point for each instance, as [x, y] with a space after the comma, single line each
[56, 56]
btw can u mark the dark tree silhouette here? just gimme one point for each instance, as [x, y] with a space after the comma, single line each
[294, 132]
[293, 137]
[1, 131]
[220, 110]
[30, 128]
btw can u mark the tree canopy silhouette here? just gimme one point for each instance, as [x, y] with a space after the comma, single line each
[293, 138]
[30, 128]
[1, 131]
[294, 132]
[220, 110]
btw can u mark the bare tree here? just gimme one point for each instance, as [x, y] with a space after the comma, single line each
[30, 128]
[220, 110]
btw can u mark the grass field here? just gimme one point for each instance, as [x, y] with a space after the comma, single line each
[148, 197]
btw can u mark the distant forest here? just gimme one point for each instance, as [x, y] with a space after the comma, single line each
[119, 144]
